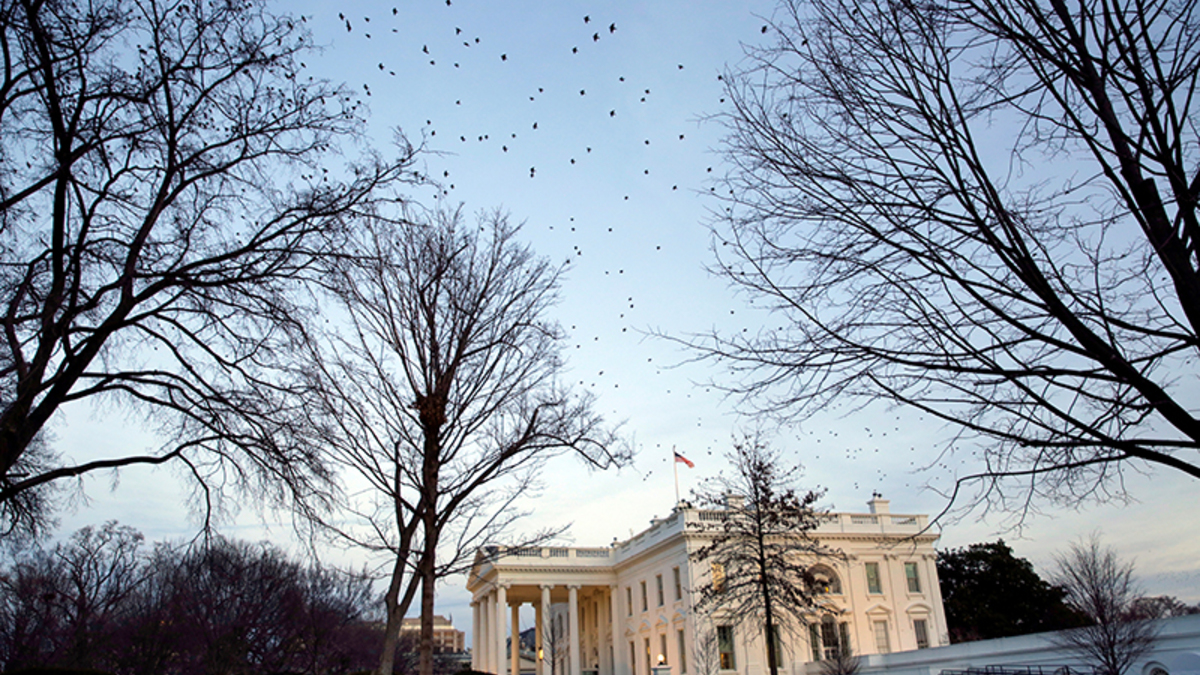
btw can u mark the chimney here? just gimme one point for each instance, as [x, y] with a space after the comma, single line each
[734, 502]
[878, 504]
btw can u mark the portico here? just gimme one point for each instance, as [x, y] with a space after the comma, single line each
[581, 581]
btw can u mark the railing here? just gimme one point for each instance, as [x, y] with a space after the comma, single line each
[864, 520]
[559, 552]
[592, 552]
[1024, 670]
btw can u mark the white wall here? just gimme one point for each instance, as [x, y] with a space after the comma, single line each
[1177, 652]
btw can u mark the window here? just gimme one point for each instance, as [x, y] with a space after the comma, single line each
[778, 646]
[644, 605]
[682, 644]
[629, 602]
[649, 663]
[873, 585]
[718, 576]
[725, 647]
[881, 637]
[662, 648]
[914, 581]
[922, 632]
[633, 657]
[825, 580]
[828, 638]
[678, 584]
[659, 587]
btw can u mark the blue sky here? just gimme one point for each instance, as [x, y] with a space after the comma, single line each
[614, 177]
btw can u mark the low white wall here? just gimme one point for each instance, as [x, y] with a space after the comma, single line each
[1177, 652]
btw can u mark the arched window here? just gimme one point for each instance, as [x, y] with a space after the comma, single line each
[825, 580]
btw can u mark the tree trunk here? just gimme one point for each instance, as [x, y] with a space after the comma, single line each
[430, 526]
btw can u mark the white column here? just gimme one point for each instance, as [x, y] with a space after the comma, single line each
[474, 635]
[618, 636]
[601, 641]
[484, 641]
[543, 615]
[573, 631]
[515, 649]
[501, 629]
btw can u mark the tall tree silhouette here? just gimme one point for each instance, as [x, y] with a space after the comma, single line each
[444, 398]
[165, 182]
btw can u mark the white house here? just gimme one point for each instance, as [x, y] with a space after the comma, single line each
[626, 609]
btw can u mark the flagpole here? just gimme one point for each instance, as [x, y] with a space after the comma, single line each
[675, 465]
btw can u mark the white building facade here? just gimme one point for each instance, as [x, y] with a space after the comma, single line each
[626, 609]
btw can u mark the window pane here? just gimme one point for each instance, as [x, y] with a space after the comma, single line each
[873, 585]
[682, 652]
[659, 586]
[662, 648]
[725, 647]
[645, 606]
[678, 585]
[778, 646]
[881, 637]
[922, 633]
[629, 601]
[910, 573]
[829, 637]
[814, 640]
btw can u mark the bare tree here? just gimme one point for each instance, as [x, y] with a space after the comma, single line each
[1102, 588]
[983, 210]
[95, 602]
[165, 183]
[762, 549]
[844, 662]
[705, 649]
[444, 398]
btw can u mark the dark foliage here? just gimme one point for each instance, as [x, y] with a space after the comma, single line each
[98, 602]
[990, 593]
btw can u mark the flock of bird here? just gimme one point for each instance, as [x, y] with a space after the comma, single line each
[454, 41]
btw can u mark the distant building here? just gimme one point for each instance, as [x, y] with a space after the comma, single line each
[627, 609]
[446, 638]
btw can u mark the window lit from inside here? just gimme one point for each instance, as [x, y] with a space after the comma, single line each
[725, 647]
[718, 576]
[914, 581]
